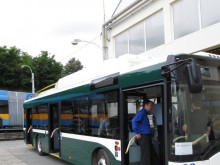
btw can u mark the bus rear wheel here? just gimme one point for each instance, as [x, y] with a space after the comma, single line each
[39, 147]
[101, 158]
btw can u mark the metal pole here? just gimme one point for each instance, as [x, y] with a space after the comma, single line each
[32, 80]
[166, 103]
[16, 95]
[103, 2]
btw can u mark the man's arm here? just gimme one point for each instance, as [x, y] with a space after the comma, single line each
[136, 124]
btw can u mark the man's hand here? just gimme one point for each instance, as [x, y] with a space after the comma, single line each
[138, 136]
[184, 127]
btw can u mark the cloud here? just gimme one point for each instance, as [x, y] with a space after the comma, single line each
[35, 25]
[75, 28]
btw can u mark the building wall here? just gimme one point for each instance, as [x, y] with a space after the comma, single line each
[188, 26]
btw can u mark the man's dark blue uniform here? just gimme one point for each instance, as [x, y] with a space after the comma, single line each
[141, 127]
[140, 123]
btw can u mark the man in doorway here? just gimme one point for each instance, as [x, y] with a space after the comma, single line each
[141, 125]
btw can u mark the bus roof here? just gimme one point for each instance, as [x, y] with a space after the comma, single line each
[123, 65]
[131, 70]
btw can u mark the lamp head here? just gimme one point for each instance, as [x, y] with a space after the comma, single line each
[76, 41]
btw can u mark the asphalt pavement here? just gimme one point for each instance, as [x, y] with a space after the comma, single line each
[17, 153]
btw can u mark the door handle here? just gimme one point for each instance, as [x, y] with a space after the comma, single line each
[29, 129]
[54, 132]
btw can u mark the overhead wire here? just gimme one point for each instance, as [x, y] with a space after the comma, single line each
[85, 45]
[116, 8]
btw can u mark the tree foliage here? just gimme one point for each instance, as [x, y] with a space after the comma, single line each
[72, 66]
[9, 64]
[46, 69]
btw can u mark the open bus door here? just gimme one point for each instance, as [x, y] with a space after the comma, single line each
[29, 118]
[133, 105]
[133, 100]
[54, 131]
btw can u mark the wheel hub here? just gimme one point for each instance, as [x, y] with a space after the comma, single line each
[101, 161]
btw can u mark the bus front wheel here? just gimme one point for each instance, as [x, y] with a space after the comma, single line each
[39, 147]
[101, 158]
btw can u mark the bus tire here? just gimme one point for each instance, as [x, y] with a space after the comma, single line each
[101, 158]
[39, 147]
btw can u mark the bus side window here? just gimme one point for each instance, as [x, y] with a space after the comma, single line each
[35, 118]
[112, 112]
[82, 104]
[99, 122]
[43, 116]
[104, 121]
[67, 115]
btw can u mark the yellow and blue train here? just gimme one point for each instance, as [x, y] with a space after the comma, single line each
[11, 108]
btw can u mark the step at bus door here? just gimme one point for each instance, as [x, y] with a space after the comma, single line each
[54, 131]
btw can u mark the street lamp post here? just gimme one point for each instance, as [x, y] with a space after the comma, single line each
[76, 41]
[32, 77]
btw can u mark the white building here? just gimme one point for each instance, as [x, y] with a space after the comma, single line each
[162, 27]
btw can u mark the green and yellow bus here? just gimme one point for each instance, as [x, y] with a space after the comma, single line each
[86, 118]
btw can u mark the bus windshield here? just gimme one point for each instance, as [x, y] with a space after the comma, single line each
[195, 117]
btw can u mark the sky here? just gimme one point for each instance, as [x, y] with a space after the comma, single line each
[51, 25]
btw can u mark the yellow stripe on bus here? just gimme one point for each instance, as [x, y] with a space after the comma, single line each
[4, 116]
[40, 116]
[70, 116]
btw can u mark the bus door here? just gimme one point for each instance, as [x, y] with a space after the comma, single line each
[29, 125]
[54, 132]
[133, 103]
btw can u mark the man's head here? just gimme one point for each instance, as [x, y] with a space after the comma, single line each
[148, 105]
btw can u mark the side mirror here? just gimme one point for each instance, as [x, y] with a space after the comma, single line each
[194, 77]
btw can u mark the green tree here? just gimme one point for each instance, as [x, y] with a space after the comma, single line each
[9, 64]
[26, 59]
[72, 66]
[47, 70]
